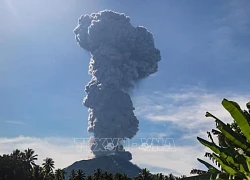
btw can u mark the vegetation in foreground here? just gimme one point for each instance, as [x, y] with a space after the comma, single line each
[232, 154]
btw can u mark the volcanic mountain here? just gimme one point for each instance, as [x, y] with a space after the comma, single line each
[112, 164]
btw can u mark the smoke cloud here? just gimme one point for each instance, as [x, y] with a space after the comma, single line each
[120, 55]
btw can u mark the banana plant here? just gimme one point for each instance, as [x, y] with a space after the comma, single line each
[241, 117]
[234, 156]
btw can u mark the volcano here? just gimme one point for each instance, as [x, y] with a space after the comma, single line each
[112, 164]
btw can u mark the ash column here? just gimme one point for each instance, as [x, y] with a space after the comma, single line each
[120, 54]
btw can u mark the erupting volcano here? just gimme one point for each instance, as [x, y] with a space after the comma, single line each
[121, 54]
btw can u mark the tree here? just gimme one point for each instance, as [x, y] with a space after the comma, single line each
[144, 174]
[171, 176]
[125, 177]
[59, 174]
[97, 174]
[118, 176]
[107, 176]
[13, 166]
[80, 175]
[48, 167]
[63, 173]
[89, 178]
[37, 172]
[17, 155]
[158, 176]
[30, 157]
[72, 174]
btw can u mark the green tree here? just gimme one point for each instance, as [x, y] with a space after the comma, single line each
[107, 176]
[144, 174]
[30, 157]
[89, 178]
[72, 174]
[59, 174]
[171, 176]
[63, 173]
[14, 166]
[125, 177]
[158, 176]
[17, 155]
[80, 175]
[118, 176]
[97, 174]
[48, 167]
[37, 173]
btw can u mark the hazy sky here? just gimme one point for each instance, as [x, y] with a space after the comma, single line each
[205, 48]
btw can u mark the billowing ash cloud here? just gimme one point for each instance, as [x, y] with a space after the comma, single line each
[120, 54]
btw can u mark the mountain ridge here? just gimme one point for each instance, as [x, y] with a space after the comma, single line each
[112, 164]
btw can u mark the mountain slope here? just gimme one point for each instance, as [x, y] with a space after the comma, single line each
[111, 164]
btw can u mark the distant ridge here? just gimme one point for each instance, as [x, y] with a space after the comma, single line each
[112, 164]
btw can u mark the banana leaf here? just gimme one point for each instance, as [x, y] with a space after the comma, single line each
[227, 155]
[230, 134]
[227, 167]
[248, 164]
[222, 152]
[234, 109]
[210, 167]
[210, 145]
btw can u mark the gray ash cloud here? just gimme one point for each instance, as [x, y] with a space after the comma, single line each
[120, 55]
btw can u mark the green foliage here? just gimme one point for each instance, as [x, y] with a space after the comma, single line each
[233, 151]
[211, 168]
[241, 117]
[48, 167]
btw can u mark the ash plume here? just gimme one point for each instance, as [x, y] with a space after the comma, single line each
[120, 55]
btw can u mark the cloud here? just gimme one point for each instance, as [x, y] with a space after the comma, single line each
[179, 162]
[186, 109]
[15, 122]
[62, 150]
[183, 112]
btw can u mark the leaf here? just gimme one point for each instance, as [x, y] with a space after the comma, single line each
[230, 134]
[215, 132]
[223, 152]
[210, 167]
[210, 145]
[234, 109]
[225, 165]
[248, 105]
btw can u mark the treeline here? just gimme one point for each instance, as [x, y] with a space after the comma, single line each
[21, 166]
